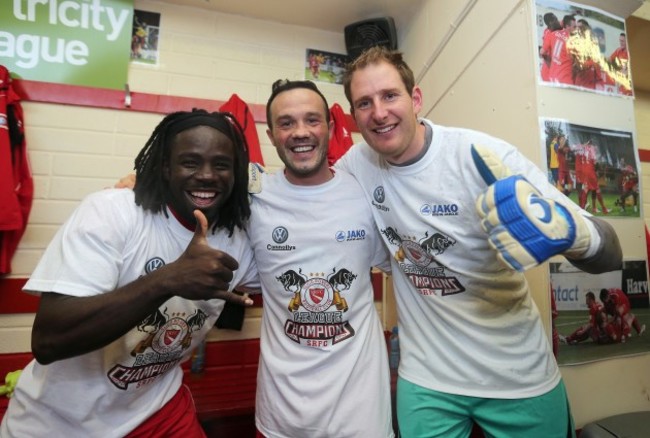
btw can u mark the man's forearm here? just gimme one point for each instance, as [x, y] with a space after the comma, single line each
[609, 256]
[67, 326]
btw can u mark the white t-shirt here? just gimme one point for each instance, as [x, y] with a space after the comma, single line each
[468, 325]
[323, 368]
[106, 243]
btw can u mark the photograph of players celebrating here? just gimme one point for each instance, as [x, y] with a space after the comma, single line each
[582, 48]
[596, 168]
[600, 316]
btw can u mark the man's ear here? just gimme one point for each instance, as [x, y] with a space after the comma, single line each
[352, 114]
[417, 99]
[269, 133]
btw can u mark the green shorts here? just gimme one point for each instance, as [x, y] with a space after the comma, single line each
[424, 413]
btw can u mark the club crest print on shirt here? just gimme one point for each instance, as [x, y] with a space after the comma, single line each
[417, 259]
[317, 306]
[164, 341]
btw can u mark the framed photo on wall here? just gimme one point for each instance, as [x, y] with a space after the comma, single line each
[144, 37]
[581, 47]
[324, 66]
[600, 316]
[596, 167]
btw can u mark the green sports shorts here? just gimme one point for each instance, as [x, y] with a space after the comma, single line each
[424, 413]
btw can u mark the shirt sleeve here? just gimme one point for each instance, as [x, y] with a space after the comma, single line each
[85, 256]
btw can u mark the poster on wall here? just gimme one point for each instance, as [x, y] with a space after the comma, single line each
[582, 47]
[73, 42]
[144, 37]
[600, 316]
[635, 283]
[597, 168]
[324, 66]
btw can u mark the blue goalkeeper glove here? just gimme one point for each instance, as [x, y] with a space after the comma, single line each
[524, 228]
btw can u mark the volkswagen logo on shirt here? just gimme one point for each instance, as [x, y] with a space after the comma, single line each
[280, 235]
[379, 194]
[153, 264]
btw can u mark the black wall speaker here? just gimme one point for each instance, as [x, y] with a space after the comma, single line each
[364, 34]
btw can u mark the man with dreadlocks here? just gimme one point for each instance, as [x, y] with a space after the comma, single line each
[132, 282]
[315, 244]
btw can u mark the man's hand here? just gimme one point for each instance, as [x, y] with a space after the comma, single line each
[255, 171]
[202, 272]
[523, 227]
[126, 182]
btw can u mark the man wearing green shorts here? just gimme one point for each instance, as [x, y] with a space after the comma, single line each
[464, 214]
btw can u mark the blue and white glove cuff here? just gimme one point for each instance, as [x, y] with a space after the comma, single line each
[594, 242]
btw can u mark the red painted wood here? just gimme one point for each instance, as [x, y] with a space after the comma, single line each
[377, 285]
[48, 92]
[8, 363]
[13, 299]
[115, 99]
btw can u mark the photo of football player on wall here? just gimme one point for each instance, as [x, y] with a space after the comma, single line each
[600, 316]
[582, 48]
[596, 168]
[324, 66]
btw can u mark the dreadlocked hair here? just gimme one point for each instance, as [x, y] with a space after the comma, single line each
[151, 189]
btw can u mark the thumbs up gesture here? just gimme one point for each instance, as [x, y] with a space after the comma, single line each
[524, 228]
[202, 272]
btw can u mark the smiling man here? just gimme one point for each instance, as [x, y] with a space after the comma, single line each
[473, 346]
[323, 366]
[132, 282]
[321, 339]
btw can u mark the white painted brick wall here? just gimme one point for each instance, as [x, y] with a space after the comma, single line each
[78, 150]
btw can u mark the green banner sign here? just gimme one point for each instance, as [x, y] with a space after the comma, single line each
[77, 42]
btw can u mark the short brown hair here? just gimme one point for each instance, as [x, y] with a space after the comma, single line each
[282, 85]
[375, 55]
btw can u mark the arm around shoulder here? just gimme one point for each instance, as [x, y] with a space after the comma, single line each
[608, 257]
